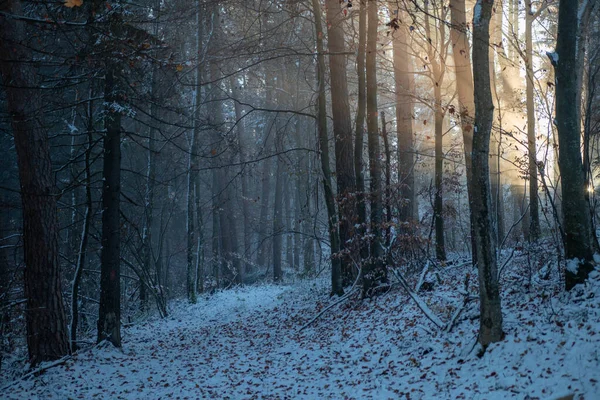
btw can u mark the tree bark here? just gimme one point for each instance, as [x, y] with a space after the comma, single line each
[278, 223]
[575, 209]
[534, 218]
[374, 272]
[342, 131]
[109, 317]
[388, 175]
[85, 230]
[337, 287]
[437, 59]
[404, 123]
[361, 110]
[47, 337]
[464, 88]
[490, 320]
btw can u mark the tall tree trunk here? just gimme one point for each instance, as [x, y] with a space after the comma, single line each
[497, 151]
[192, 279]
[47, 337]
[361, 111]
[342, 131]
[436, 51]
[289, 217]
[337, 287]
[438, 204]
[388, 175]
[243, 145]
[534, 219]
[575, 209]
[85, 230]
[278, 223]
[266, 172]
[404, 123]
[109, 317]
[464, 89]
[193, 176]
[374, 272]
[490, 320]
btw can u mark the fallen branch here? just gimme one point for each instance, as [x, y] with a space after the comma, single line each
[467, 299]
[13, 304]
[345, 297]
[422, 277]
[420, 303]
[38, 371]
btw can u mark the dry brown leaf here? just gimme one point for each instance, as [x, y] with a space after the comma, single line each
[73, 3]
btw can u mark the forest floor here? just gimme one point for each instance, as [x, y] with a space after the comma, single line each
[246, 343]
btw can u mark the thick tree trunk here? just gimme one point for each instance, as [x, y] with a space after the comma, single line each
[575, 209]
[464, 89]
[109, 317]
[342, 131]
[337, 287]
[404, 124]
[47, 337]
[374, 272]
[490, 320]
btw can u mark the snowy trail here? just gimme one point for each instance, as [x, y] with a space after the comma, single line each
[245, 344]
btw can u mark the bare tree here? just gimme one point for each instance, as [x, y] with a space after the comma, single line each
[45, 316]
[575, 208]
[342, 129]
[490, 320]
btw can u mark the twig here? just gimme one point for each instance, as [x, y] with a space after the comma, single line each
[345, 297]
[13, 304]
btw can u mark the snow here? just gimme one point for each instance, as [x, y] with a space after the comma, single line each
[246, 343]
[477, 13]
[553, 57]
[573, 265]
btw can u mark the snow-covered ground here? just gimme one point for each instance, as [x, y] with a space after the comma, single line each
[246, 343]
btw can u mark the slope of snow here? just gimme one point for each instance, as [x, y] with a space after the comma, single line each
[246, 343]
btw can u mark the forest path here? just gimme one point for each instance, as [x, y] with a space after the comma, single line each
[245, 343]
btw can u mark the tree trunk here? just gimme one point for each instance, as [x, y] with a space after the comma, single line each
[436, 50]
[47, 337]
[87, 221]
[374, 272]
[575, 209]
[534, 219]
[361, 110]
[278, 223]
[490, 320]
[464, 89]
[342, 131]
[109, 317]
[388, 175]
[243, 145]
[404, 124]
[438, 204]
[337, 287]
